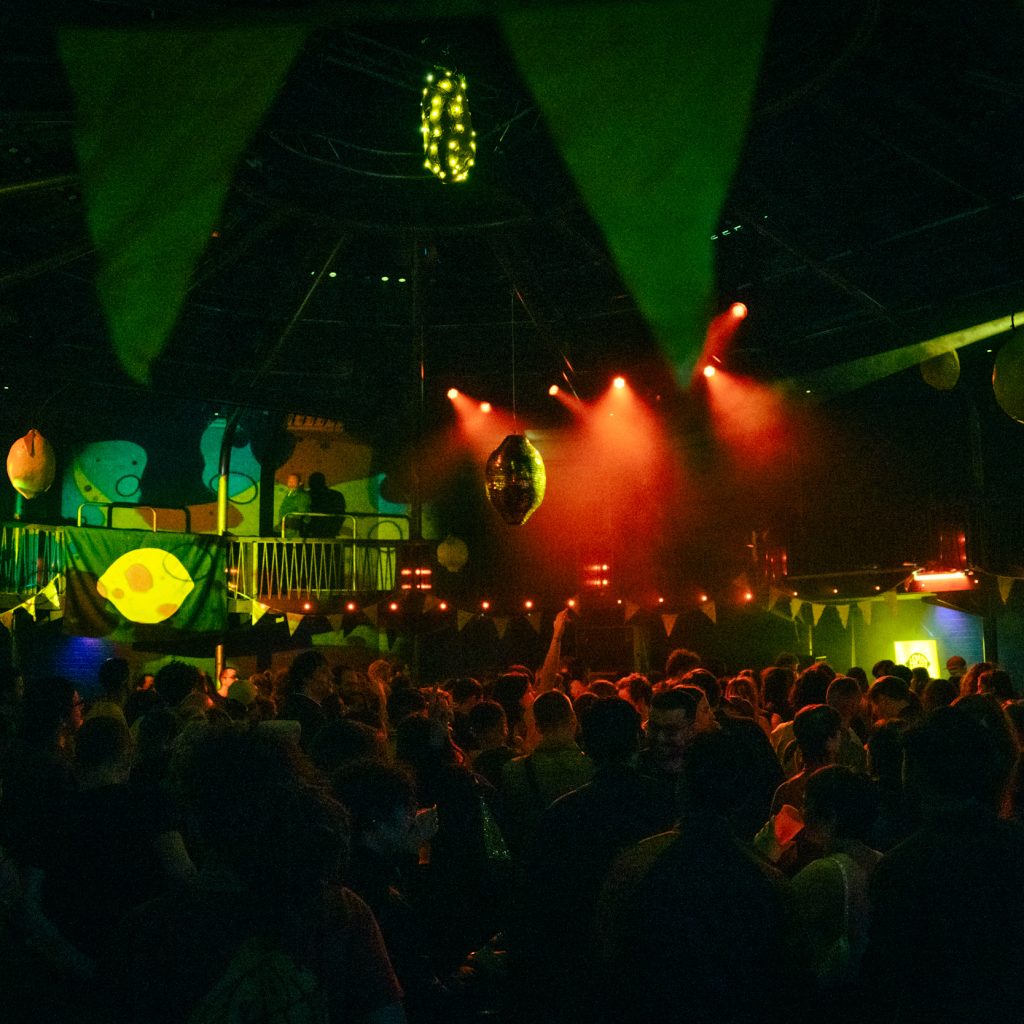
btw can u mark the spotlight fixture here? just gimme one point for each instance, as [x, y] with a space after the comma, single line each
[485, 606]
[710, 371]
[485, 406]
[351, 606]
[738, 310]
[453, 393]
[393, 606]
[619, 382]
[553, 390]
[528, 605]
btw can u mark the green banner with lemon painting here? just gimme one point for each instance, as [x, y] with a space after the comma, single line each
[134, 584]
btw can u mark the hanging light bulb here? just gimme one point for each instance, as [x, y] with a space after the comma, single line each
[516, 479]
[449, 142]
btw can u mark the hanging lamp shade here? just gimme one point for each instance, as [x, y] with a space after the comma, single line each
[516, 479]
[31, 464]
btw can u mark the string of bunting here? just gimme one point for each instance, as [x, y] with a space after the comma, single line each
[50, 594]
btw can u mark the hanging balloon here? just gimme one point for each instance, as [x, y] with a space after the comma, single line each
[452, 553]
[942, 372]
[1008, 377]
[31, 464]
[516, 479]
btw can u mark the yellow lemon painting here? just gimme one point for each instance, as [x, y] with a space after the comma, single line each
[146, 585]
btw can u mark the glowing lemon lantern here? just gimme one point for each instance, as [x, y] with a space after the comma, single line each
[31, 464]
[452, 553]
[1008, 377]
[146, 585]
[516, 479]
[449, 142]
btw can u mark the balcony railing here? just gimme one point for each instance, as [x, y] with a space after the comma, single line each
[259, 568]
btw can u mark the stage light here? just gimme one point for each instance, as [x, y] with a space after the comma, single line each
[661, 600]
[393, 606]
[571, 603]
[453, 393]
[485, 605]
[553, 390]
[351, 606]
[703, 598]
[443, 606]
[709, 371]
[748, 596]
[738, 310]
[528, 605]
[619, 382]
[939, 581]
[485, 406]
[307, 606]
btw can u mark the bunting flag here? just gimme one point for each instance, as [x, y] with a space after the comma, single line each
[844, 613]
[501, 625]
[258, 610]
[1005, 586]
[865, 611]
[653, 151]
[463, 619]
[430, 602]
[334, 621]
[293, 622]
[669, 622]
[795, 604]
[891, 601]
[816, 611]
[533, 618]
[143, 97]
[30, 606]
[51, 592]
[371, 612]
[135, 585]
[7, 619]
[631, 610]
[708, 608]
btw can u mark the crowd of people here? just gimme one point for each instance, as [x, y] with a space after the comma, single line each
[776, 844]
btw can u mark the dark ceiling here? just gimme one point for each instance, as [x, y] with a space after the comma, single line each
[878, 202]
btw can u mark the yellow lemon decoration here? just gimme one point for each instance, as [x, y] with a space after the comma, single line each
[146, 585]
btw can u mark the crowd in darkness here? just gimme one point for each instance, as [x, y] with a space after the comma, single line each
[777, 844]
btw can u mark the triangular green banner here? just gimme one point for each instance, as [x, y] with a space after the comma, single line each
[649, 103]
[865, 611]
[844, 613]
[162, 118]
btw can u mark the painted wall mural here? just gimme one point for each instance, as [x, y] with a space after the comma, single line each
[122, 471]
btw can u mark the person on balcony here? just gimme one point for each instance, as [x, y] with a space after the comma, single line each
[296, 500]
